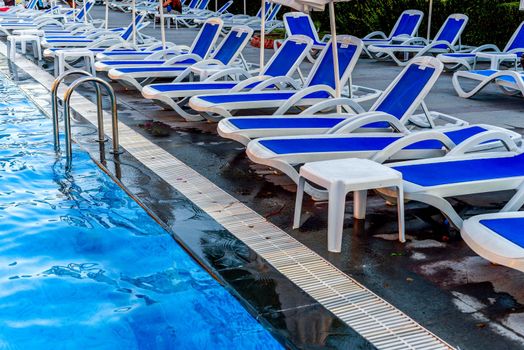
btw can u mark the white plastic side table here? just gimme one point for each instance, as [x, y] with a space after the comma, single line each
[340, 177]
[496, 58]
[23, 40]
[63, 55]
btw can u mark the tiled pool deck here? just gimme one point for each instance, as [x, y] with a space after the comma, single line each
[437, 282]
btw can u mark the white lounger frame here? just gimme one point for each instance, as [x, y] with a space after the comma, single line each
[510, 88]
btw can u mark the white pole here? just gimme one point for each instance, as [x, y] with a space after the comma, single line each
[162, 27]
[334, 48]
[430, 13]
[262, 33]
[216, 5]
[133, 6]
[107, 14]
[85, 12]
[244, 7]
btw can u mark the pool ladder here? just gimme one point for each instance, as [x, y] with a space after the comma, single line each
[97, 82]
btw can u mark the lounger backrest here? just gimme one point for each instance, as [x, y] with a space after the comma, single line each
[233, 44]
[268, 7]
[451, 29]
[298, 23]
[129, 30]
[407, 23]
[31, 5]
[517, 39]
[84, 11]
[203, 4]
[404, 95]
[289, 56]
[349, 49]
[207, 37]
[224, 7]
[275, 9]
[193, 4]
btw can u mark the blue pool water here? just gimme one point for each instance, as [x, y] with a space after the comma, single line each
[82, 266]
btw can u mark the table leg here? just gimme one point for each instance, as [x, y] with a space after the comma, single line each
[337, 203]
[298, 201]
[400, 210]
[359, 204]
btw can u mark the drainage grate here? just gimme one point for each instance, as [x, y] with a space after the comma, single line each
[379, 322]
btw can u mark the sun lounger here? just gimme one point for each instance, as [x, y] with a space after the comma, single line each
[445, 41]
[225, 55]
[497, 237]
[510, 82]
[515, 46]
[397, 103]
[404, 29]
[318, 87]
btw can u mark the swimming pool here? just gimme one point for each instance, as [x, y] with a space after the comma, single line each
[84, 266]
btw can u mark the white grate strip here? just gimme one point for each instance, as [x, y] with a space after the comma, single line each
[379, 322]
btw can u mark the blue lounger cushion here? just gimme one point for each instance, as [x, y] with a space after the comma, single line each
[489, 72]
[192, 87]
[354, 144]
[460, 55]
[70, 41]
[251, 97]
[151, 69]
[511, 229]
[453, 172]
[278, 123]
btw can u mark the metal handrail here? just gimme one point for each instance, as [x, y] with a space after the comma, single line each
[54, 105]
[67, 115]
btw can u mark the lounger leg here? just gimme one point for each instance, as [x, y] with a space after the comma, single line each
[359, 205]
[400, 210]
[337, 203]
[298, 201]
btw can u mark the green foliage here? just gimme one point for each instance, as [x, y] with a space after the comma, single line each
[490, 21]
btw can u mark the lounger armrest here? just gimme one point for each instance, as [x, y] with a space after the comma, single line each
[487, 136]
[348, 104]
[299, 95]
[279, 82]
[358, 121]
[402, 143]
[438, 43]
[120, 46]
[99, 33]
[160, 54]
[230, 72]
[245, 83]
[208, 62]
[487, 47]
[376, 35]
[325, 38]
[181, 58]
[415, 40]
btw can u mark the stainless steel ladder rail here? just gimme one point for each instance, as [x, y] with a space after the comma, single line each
[54, 106]
[97, 82]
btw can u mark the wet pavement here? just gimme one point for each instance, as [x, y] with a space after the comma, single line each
[434, 278]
